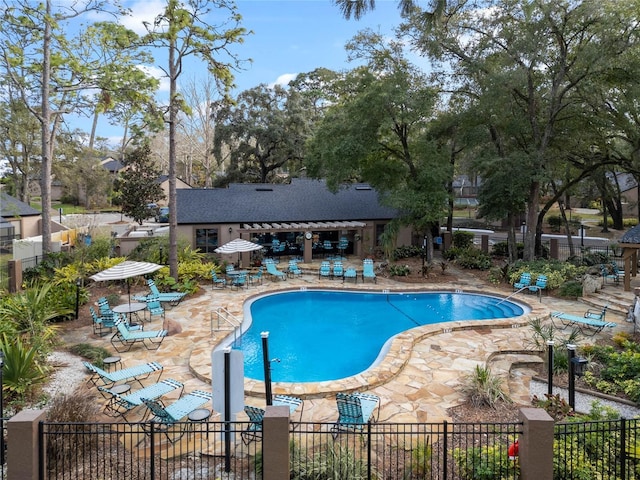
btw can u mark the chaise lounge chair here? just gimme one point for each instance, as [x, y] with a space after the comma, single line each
[124, 338]
[121, 405]
[590, 324]
[325, 270]
[256, 415]
[355, 410]
[350, 274]
[294, 270]
[172, 298]
[523, 283]
[100, 377]
[273, 271]
[367, 270]
[337, 271]
[176, 412]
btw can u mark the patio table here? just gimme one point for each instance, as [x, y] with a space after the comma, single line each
[130, 309]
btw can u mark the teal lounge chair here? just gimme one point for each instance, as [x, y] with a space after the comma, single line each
[123, 339]
[274, 272]
[104, 324]
[155, 308]
[325, 270]
[610, 272]
[355, 410]
[367, 270]
[588, 325]
[100, 377]
[256, 415]
[294, 270]
[121, 405]
[540, 285]
[337, 271]
[173, 298]
[256, 277]
[175, 412]
[524, 282]
[350, 274]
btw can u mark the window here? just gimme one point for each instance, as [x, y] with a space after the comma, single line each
[206, 239]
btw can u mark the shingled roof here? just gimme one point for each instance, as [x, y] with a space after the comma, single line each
[303, 200]
[11, 207]
[632, 236]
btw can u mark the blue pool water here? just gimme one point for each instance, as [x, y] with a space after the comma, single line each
[327, 335]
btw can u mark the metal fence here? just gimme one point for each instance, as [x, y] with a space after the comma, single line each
[205, 450]
[606, 450]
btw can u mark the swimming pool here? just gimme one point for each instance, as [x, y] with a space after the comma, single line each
[320, 335]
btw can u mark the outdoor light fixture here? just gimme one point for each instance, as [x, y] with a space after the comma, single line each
[550, 344]
[577, 367]
[266, 363]
[230, 230]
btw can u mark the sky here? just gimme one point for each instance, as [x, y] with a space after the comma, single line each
[289, 37]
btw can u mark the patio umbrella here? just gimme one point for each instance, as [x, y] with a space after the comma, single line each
[124, 271]
[238, 246]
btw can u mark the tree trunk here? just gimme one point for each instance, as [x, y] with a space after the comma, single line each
[45, 175]
[173, 118]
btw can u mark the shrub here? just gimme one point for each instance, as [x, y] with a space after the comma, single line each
[22, 372]
[570, 289]
[555, 222]
[406, 252]
[556, 406]
[472, 258]
[92, 353]
[463, 239]
[399, 270]
[486, 463]
[483, 388]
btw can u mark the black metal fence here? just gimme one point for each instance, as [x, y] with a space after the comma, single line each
[606, 450]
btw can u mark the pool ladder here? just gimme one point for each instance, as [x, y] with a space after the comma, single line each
[222, 319]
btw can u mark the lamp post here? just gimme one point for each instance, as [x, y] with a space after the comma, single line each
[78, 283]
[524, 229]
[577, 367]
[267, 367]
[550, 344]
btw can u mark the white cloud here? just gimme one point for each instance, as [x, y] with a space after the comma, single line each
[142, 11]
[283, 80]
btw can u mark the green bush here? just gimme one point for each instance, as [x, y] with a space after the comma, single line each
[406, 251]
[463, 239]
[557, 272]
[399, 270]
[483, 388]
[473, 258]
[571, 289]
[486, 463]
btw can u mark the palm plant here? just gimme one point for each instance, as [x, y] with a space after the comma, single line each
[22, 370]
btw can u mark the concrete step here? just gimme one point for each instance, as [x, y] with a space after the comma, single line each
[618, 301]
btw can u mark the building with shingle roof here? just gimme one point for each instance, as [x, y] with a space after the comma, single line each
[25, 220]
[303, 213]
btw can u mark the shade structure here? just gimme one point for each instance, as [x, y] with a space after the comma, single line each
[125, 271]
[238, 245]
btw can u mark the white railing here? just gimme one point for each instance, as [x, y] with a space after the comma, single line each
[223, 319]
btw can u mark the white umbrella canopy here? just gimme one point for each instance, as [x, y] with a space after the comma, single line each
[238, 245]
[124, 271]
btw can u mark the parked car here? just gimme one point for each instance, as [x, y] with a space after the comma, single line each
[162, 215]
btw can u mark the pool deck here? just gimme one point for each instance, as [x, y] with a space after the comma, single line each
[417, 381]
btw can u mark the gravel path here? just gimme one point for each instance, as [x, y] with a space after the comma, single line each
[68, 374]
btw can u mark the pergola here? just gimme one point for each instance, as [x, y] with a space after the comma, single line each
[630, 243]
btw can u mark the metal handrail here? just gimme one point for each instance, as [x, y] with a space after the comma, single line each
[223, 316]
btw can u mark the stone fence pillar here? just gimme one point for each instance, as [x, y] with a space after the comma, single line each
[22, 449]
[536, 445]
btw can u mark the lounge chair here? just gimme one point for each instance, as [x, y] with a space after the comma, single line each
[123, 337]
[173, 298]
[523, 283]
[355, 410]
[610, 272]
[294, 270]
[155, 308]
[337, 271]
[325, 270]
[367, 270]
[100, 377]
[256, 415]
[540, 285]
[274, 272]
[104, 324]
[587, 325]
[176, 411]
[350, 273]
[121, 405]
[217, 281]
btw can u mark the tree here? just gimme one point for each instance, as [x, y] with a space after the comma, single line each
[265, 131]
[138, 184]
[378, 132]
[182, 29]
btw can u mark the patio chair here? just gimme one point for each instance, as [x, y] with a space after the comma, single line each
[355, 410]
[274, 272]
[104, 324]
[122, 405]
[256, 277]
[590, 324]
[175, 412]
[367, 270]
[540, 285]
[523, 283]
[343, 244]
[173, 298]
[217, 281]
[294, 270]
[125, 339]
[610, 272]
[239, 281]
[337, 271]
[155, 308]
[325, 270]
[327, 247]
[230, 270]
[256, 415]
[351, 274]
[100, 377]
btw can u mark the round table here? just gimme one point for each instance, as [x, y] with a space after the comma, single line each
[130, 309]
[121, 389]
[200, 415]
[110, 361]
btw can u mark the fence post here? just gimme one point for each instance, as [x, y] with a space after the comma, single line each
[484, 243]
[554, 249]
[275, 443]
[536, 445]
[15, 275]
[23, 446]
